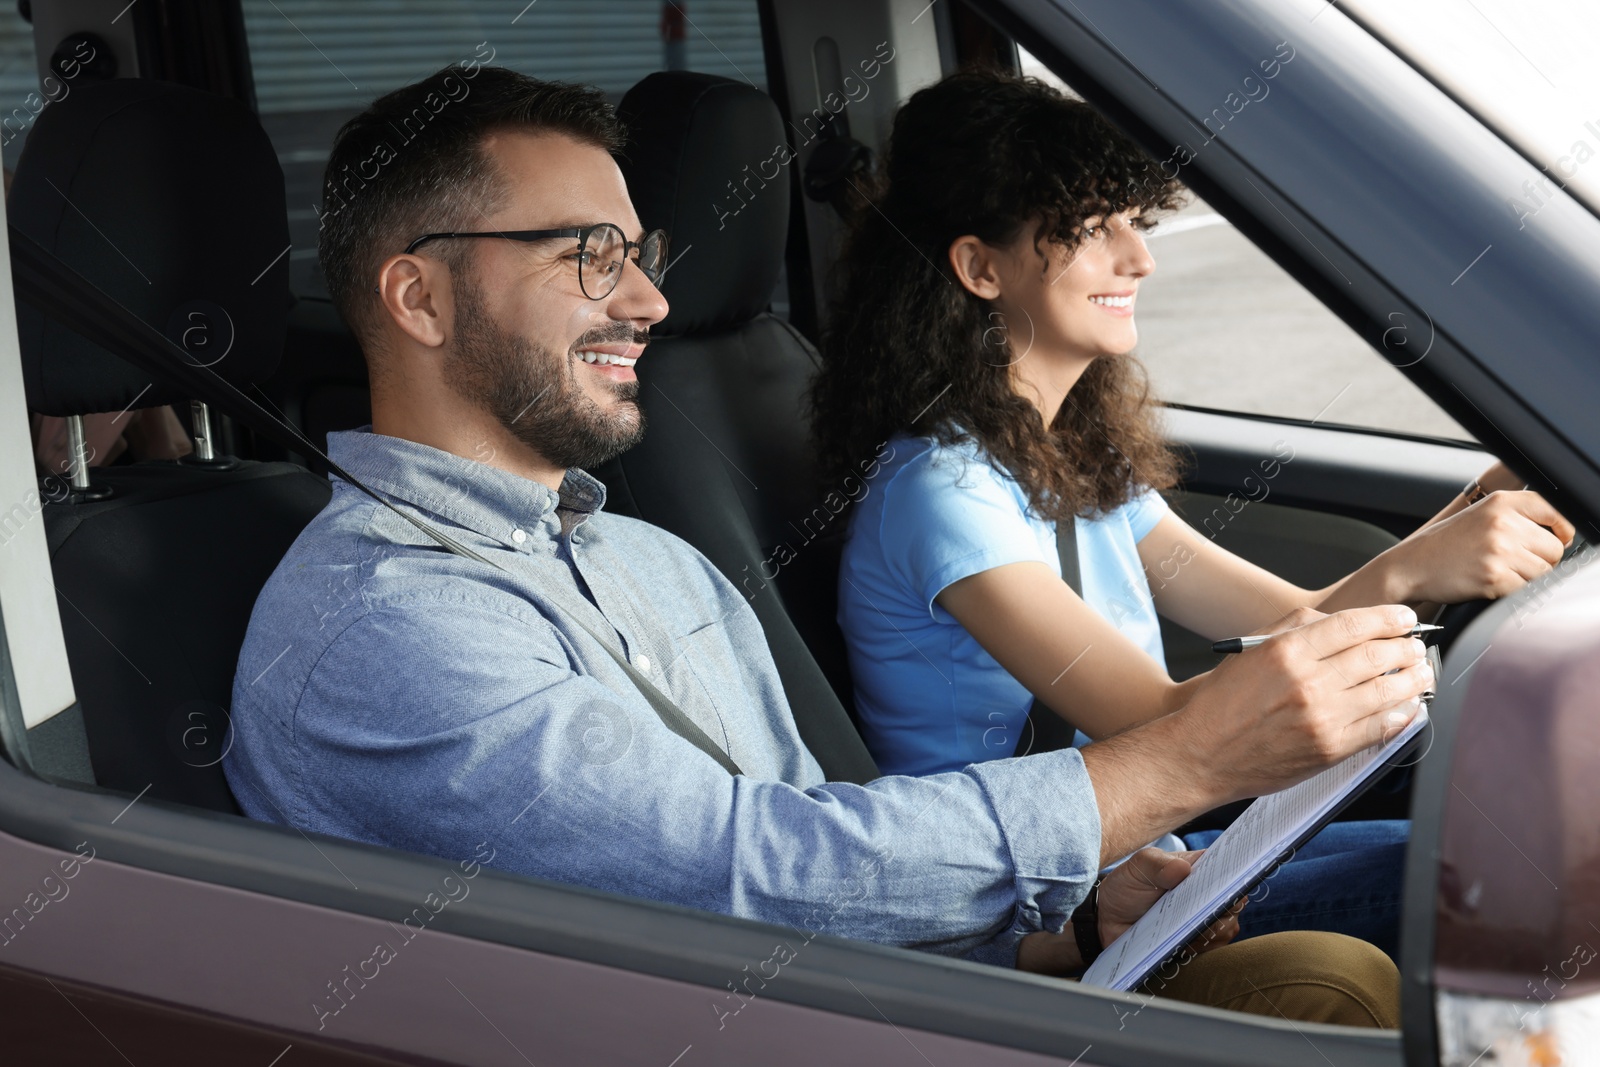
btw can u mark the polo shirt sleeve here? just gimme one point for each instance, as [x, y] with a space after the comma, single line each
[1144, 511]
[948, 515]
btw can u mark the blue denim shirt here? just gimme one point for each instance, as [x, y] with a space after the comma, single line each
[390, 691]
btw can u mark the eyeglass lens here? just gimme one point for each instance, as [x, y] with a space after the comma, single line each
[601, 265]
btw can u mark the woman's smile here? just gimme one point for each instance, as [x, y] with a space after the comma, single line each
[1119, 304]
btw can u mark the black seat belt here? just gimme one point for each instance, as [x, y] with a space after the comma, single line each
[1067, 552]
[1044, 730]
[58, 290]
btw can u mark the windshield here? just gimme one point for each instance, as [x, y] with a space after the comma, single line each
[1528, 72]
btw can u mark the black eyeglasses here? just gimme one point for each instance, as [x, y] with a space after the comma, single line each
[602, 248]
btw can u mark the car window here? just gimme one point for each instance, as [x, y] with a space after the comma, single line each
[317, 64]
[23, 94]
[1222, 326]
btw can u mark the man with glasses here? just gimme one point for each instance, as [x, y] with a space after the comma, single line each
[487, 665]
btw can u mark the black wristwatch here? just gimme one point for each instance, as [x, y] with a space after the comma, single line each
[1474, 492]
[1086, 925]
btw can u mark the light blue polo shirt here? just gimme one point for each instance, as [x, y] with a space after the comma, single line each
[929, 697]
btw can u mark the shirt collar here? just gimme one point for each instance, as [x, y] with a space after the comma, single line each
[476, 496]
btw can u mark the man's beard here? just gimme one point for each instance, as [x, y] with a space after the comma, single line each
[536, 394]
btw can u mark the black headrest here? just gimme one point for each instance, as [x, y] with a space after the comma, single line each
[707, 161]
[171, 201]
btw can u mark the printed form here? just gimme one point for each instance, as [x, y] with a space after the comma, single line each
[1264, 836]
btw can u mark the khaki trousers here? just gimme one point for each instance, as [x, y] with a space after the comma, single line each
[1302, 975]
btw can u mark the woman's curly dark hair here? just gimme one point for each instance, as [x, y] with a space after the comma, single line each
[985, 153]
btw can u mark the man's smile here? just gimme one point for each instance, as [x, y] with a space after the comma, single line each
[614, 360]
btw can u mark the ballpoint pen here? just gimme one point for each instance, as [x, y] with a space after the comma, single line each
[1239, 644]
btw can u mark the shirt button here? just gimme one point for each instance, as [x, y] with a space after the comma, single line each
[642, 662]
[518, 536]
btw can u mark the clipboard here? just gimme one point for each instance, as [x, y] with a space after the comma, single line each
[1264, 837]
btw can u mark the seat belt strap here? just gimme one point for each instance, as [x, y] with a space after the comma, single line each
[1067, 552]
[1044, 730]
[672, 717]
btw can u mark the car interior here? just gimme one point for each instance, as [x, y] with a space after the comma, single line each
[725, 410]
[157, 563]
[725, 465]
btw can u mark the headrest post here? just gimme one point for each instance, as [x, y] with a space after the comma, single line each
[205, 452]
[200, 414]
[81, 490]
[77, 453]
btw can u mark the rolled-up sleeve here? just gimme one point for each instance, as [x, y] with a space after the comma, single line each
[438, 726]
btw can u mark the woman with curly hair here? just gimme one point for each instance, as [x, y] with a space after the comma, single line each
[982, 328]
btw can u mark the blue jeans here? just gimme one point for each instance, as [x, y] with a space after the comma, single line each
[1347, 880]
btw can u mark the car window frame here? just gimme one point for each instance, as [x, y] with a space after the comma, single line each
[925, 992]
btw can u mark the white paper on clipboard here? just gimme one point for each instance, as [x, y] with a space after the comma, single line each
[1265, 835]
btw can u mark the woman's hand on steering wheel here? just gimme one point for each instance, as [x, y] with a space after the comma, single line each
[1483, 552]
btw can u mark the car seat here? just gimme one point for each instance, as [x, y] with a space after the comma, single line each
[171, 202]
[726, 462]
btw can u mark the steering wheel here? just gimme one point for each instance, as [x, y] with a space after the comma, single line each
[1455, 618]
